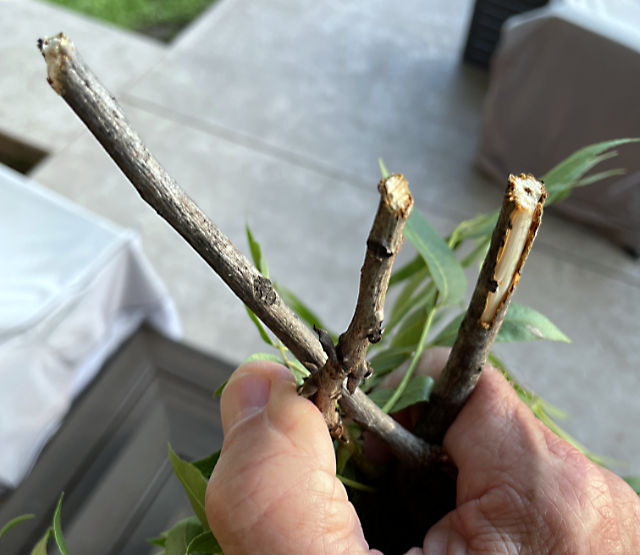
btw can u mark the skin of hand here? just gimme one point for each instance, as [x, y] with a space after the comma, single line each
[520, 488]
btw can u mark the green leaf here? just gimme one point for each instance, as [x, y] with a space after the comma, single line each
[389, 359]
[355, 484]
[263, 356]
[160, 540]
[443, 266]
[418, 389]
[204, 543]
[256, 253]
[301, 309]
[383, 169]
[180, 536]
[41, 547]
[523, 323]
[298, 370]
[409, 334]
[410, 300]
[207, 464]
[448, 334]
[479, 226]
[634, 482]
[560, 180]
[258, 324]
[408, 270]
[13, 522]
[57, 528]
[220, 389]
[194, 484]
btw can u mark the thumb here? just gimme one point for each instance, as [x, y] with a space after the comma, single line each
[274, 488]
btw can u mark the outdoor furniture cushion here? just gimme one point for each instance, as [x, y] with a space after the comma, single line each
[563, 77]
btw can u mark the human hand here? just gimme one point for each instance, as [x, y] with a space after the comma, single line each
[520, 488]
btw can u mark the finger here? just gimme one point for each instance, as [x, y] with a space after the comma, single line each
[274, 488]
[495, 432]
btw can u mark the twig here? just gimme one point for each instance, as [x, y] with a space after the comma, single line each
[510, 244]
[383, 244]
[347, 359]
[74, 81]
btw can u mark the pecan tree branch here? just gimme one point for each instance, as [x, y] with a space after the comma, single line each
[510, 244]
[383, 244]
[97, 108]
[348, 360]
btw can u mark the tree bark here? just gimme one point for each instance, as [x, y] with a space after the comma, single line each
[510, 244]
[348, 359]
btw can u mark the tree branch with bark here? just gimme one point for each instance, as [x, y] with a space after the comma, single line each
[69, 76]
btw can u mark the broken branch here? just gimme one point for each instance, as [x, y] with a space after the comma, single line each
[347, 359]
[87, 97]
[510, 244]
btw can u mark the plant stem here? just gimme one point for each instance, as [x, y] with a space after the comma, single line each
[97, 108]
[347, 359]
[510, 244]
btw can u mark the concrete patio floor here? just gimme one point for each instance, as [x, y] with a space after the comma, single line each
[275, 113]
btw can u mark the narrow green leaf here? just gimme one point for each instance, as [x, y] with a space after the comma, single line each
[204, 543]
[220, 389]
[207, 464]
[634, 482]
[160, 540]
[401, 274]
[448, 334]
[256, 253]
[180, 536]
[383, 169]
[355, 484]
[409, 300]
[194, 484]
[409, 334]
[389, 359]
[560, 180]
[599, 176]
[523, 323]
[479, 226]
[301, 309]
[41, 547]
[13, 522]
[298, 370]
[57, 528]
[258, 324]
[418, 389]
[263, 356]
[444, 267]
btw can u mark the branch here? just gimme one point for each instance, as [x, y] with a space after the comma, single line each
[74, 81]
[347, 359]
[510, 244]
[383, 244]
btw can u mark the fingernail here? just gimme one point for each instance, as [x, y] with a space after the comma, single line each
[246, 396]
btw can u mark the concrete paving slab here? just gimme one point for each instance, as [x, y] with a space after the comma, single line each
[29, 109]
[338, 85]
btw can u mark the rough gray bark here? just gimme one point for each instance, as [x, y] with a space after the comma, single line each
[510, 244]
[78, 86]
